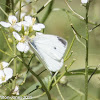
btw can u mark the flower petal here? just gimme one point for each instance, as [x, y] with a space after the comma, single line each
[28, 1]
[21, 46]
[8, 72]
[38, 33]
[2, 77]
[5, 64]
[12, 18]
[1, 73]
[25, 23]
[38, 26]
[16, 90]
[22, 15]
[28, 19]
[26, 47]
[1, 81]
[84, 1]
[17, 36]
[17, 28]
[4, 24]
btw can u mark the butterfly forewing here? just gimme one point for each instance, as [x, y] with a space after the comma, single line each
[54, 46]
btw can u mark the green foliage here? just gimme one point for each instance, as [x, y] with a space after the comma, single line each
[67, 20]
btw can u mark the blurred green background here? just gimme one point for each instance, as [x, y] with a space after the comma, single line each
[58, 24]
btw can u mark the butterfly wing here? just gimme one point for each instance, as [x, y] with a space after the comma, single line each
[50, 63]
[50, 50]
[54, 46]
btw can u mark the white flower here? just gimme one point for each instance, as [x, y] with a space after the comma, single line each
[4, 24]
[17, 36]
[19, 25]
[2, 77]
[28, 1]
[38, 26]
[12, 23]
[29, 22]
[12, 20]
[8, 73]
[16, 90]
[22, 45]
[84, 1]
[3, 65]
[5, 73]
[22, 15]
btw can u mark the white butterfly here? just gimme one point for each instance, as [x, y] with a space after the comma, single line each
[50, 50]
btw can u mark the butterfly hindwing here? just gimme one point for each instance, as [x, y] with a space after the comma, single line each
[50, 63]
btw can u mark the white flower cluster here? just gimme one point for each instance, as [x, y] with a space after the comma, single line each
[5, 72]
[27, 24]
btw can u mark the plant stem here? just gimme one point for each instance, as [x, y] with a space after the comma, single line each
[20, 10]
[38, 78]
[12, 2]
[87, 48]
[15, 64]
[86, 72]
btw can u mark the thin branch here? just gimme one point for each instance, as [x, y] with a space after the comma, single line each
[68, 56]
[94, 27]
[76, 90]
[7, 41]
[50, 2]
[59, 90]
[42, 7]
[80, 17]
[3, 11]
[20, 10]
[31, 59]
[93, 73]
[74, 11]
[5, 53]
[37, 87]
[69, 49]
[76, 35]
[42, 72]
